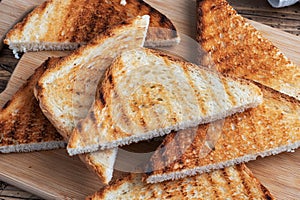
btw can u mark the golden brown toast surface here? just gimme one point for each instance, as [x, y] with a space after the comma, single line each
[22, 121]
[63, 22]
[235, 182]
[146, 93]
[238, 49]
[270, 128]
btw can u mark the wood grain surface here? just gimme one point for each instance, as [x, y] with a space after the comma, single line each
[55, 175]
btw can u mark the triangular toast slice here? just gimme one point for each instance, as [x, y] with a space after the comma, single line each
[238, 49]
[269, 129]
[236, 182]
[23, 126]
[66, 91]
[66, 24]
[146, 93]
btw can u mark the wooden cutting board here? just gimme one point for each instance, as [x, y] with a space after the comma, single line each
[55, 175]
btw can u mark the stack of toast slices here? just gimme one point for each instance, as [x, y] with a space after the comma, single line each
[25, 36]
[111, 91]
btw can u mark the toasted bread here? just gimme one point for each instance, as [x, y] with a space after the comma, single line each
[238, 49]
[67, 90]
[270, 128]
[23, 127]
[236, 182]
[66, 24]
[146, 94]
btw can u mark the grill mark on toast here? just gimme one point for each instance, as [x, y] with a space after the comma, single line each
[218, 176]
[241, 175]
[227, 90]
[124, 117]
[201, 101]
[210, 91]
[225, 175]
[211, 183]
[115, 131]
[173, 116]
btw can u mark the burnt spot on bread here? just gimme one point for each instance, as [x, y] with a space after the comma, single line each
[101, 97]
[110, 79]
[163, 20]
[142, 122]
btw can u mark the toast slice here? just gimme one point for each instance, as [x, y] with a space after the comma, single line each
[271, 128]
[23, 127]
[146, 94]
[66, 91]
[236, 182]
[66, 24]
[238, 49]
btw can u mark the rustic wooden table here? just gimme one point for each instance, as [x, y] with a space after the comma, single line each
[287, 19]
